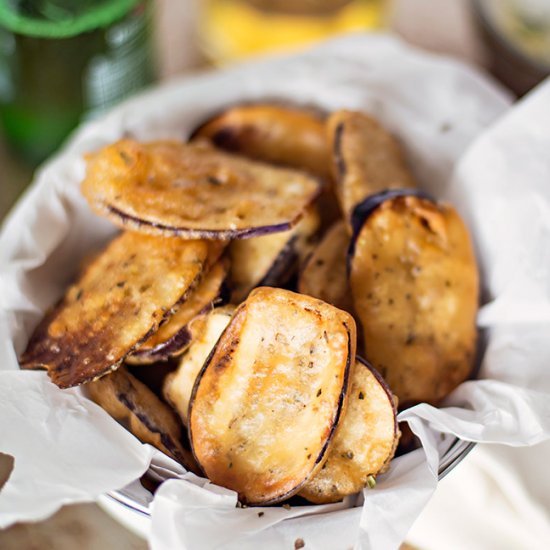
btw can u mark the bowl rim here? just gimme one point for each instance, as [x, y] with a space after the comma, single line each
[452, 457]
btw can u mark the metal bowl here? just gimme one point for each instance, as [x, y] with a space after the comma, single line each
[131, 507]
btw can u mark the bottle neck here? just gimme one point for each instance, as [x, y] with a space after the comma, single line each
[59, 18]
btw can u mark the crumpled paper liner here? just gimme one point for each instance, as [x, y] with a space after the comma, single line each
[68, 450]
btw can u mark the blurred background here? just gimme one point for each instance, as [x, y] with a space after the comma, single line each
[63, 62]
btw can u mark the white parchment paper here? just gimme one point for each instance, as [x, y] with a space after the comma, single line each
[464, 144]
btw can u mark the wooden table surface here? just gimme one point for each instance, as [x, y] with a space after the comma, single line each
[443, 26]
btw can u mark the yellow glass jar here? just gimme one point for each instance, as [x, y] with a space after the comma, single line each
[235, 29]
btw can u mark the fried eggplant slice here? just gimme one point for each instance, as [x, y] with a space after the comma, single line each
[117, 303]
[136, 407]
[282, 135]
[270, 397]
[324, 274]
[365, 442]
[194, 191]
[366, 159]
[175, 336]
[414, 282]
[178, 385]
[270, 260]
[277, 134]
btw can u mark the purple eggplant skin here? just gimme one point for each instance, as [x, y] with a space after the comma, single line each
[282, 268]
[171, 445]
[384, 384]
[343, 394]
[365, 208]
[164, 351]
[180, 341]
[131, 222]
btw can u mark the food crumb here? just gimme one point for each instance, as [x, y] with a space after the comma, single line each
[299, 543]
[260, 514]
[371, 482]
[286, 506]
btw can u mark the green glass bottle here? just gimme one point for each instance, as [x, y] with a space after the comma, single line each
[62, 61]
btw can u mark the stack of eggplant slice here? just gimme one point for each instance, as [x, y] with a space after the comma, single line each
[246, 258]
[411, 266]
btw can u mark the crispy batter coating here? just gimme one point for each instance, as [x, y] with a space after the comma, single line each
[116, 304]
[271, 395]
[415, 287]
[279, 134]
[194, 191]
[324, 275]
[288, 136]
[364, 444]
[173, 337]
[366, 159]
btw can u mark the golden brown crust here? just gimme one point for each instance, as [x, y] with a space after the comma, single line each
[366, 159]
[133, 404]
[194, 191]
[199, 300]
[324, 275]
[278, 134]
[364, 444]
[271, 395]
[117, 303]
[415, 286]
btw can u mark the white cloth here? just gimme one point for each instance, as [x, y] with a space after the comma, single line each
[498, 498]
